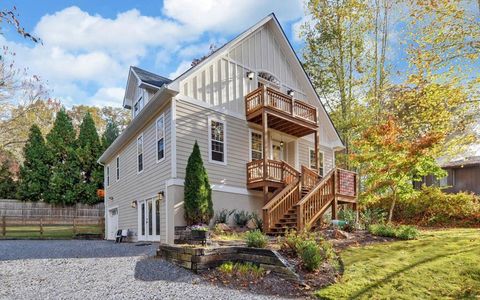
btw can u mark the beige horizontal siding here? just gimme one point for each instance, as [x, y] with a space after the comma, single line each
[140, 186]
[304, 155]
[192, 125]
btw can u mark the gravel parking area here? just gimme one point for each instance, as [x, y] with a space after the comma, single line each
[98, 270]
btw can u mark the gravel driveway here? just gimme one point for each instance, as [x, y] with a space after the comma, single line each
[97, 270]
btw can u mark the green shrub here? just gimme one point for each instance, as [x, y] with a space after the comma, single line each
[246, 270]
[258, 221]
[349, 216]
[431, 206]
[292, 239]
[256, 239]
[404, 232]
[407, 232]
[226, 267]
[241, 218]
[372, 216]
[198, 193]
[223, 215]
[386, 230]
[310, 254]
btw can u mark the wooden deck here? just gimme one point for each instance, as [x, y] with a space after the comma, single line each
[283, 113]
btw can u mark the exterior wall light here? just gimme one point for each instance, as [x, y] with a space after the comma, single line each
[134, 204]
[250, 75]
[160, 196]
[291, 93]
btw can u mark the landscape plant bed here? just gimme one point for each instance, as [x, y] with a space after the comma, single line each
[356, 238]
[269, 284]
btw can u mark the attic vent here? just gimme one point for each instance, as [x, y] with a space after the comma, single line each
[269, 77]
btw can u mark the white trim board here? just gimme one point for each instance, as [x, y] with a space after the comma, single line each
[216, 187]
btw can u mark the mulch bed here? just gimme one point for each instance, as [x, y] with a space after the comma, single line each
[272, 284]
[269, 284]
[357, 238]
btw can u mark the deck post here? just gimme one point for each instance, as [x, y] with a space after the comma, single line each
[334, 208]
[265, 154]
[4, 226]
[317, 167]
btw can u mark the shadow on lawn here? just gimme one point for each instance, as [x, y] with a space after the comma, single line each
[410, 267]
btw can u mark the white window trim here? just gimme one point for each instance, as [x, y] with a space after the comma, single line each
[162, 116]
[310, 160]
[209, 124]
[117, 168]
[143, 154]
[107, 176]
[250, 131]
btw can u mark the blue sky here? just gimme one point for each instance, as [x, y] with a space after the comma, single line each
[89, 45]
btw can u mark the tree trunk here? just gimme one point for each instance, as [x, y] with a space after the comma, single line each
[392, 206]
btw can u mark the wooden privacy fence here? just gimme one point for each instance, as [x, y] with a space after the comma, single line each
[15, 208]
[50, 227]
[39, 219]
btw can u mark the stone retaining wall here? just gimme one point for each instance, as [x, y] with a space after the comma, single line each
[198, 259]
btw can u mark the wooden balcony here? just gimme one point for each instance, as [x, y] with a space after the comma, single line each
[276, 174]
[283, 113]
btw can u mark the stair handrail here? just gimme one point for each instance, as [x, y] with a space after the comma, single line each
[309, 177]
[307, 217]
[280, 204]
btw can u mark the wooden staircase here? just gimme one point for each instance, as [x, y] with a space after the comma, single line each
[302, 203]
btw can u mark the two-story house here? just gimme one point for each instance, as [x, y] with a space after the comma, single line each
[267, 142]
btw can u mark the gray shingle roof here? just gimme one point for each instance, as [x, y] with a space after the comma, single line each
[150, 78]
[468, 161]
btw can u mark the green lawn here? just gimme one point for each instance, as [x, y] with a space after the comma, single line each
[439, 265]
[49, 232]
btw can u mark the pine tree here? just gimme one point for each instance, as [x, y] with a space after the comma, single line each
[198, 193]
[65, 168]
[88, 152]
[111, 133]
[34, 174]
[8, 186]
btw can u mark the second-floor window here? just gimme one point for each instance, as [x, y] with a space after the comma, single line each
[140, 153]
[137, 107]
[160, 127]
[320, 161]
[118, 168]
[256, 145]
[216, 134]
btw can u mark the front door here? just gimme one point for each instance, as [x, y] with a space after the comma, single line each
[278, 151]
[149, 220]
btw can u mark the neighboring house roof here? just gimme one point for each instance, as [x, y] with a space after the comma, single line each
[468, 161]
[150, 78]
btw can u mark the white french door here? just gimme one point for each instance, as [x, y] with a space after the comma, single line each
[149, 220]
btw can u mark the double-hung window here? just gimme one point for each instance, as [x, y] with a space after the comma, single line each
[256, 145]
[217, 141]
[160, 128]
[118, 168]
[137, 107]
[140, 153]
[320, 161]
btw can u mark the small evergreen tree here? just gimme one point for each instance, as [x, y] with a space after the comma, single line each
[63, 160]
[198, 193]
[111, 133]
[34, 174]
[88, 152]
[8, 187]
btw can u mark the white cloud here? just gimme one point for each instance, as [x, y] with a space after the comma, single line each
[182, 67]
[229, 16]
[107, 96]
[85, 57]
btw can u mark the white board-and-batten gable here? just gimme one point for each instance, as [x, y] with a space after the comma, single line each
[220, 81]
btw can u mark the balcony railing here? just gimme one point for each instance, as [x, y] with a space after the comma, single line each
[275, 100]
[278, 171]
